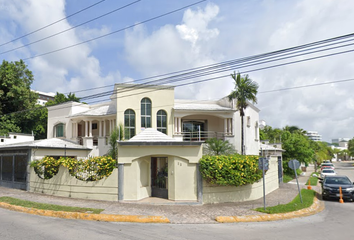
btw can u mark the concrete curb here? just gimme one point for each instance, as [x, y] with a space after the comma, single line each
[316, 207]
[88, 216]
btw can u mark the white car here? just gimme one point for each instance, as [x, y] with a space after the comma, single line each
[327, 172]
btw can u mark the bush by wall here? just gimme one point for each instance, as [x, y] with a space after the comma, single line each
[232, 170]
[91, 169]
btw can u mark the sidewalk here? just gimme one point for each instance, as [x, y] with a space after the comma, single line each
[176, 213]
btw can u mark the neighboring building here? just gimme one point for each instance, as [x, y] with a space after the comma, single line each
[44, 97]
[313, 135]
[342, 142]
[16, 138]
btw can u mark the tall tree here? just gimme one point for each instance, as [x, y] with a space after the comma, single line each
[245, 91]
[16, 97]
[61, 98]
[351, 147]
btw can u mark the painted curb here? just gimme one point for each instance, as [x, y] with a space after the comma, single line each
[88, 216]
[316, 207]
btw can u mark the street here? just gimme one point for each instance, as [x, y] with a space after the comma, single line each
[335, 221]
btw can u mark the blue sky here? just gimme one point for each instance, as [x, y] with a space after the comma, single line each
[207, 33]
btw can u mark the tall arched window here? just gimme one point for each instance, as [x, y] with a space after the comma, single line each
[129, 123]
[145, 113]
[59, 130]
[161, 118]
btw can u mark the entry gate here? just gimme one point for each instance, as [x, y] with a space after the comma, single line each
[13, 169]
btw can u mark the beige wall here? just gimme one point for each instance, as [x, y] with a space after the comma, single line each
[64, 185]
[137, 179]
[182, 177]
[130, 98]
[220, 194]
[126, 154]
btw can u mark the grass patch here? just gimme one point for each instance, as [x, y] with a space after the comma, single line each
[287, 178]
[313, 180]
[294, 205]
[44, 206]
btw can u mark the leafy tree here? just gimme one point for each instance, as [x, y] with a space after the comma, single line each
[116, 134]
[15, 87]
[16, 97]
[245, 91]
[351, 147]
[271, 134]
[293, 129]
[216, 146]
[61, 98]
[296, 146]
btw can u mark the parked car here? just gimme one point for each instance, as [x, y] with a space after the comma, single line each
[327, 165]
[327, 172]
[331, 184]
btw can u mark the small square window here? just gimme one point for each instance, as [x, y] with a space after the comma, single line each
[2, 140]
[94, 125]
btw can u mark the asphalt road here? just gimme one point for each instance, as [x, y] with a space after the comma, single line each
[333, 223]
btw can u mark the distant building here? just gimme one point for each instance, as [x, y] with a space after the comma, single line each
[16, 138]
[44, 97]
[338, 140]
[313, 135]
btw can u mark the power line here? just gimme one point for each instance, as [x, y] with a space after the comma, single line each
[114, 32]
[58, 33]
[51, 24]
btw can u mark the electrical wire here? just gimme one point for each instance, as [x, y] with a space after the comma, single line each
[51, 24]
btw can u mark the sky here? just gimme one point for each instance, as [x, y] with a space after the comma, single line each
[90, 45]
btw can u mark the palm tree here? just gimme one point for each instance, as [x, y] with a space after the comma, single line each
[219, 147]
[244, 92]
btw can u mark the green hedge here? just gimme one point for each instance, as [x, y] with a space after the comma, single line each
[231, 170]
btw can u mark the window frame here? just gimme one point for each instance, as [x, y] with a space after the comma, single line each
[131, 130]
[145, 112]
[159, 117]
[55, 132]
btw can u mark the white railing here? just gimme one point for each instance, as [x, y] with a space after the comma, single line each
[202, 135]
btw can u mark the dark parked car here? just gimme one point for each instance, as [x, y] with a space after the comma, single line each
[331, 184]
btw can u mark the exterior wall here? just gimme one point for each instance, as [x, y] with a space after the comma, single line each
[58, 114]
[223, 194]
[64, 185]
[161, 98]
[126, 154]
[251, 131]
[40, 153]
[137, 179]
[182, 177]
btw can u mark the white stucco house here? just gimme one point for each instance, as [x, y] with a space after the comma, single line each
[138, 107]
[162, 145]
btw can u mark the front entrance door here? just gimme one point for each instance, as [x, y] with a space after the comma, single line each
[159, 177]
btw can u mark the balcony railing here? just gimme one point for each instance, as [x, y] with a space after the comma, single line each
[202, 135]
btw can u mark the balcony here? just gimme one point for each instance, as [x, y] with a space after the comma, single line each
[202, 136]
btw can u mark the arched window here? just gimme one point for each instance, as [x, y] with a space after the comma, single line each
[161, 121]
[129, 124]
[145, 113]
[59, 130]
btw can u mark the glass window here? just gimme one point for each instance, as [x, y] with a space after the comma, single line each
[162, 121]
[129, 123]
[59, 130]
[146, 113]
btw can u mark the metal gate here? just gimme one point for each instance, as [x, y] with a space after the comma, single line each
[280, 170]
[159, 177]
[13, 170]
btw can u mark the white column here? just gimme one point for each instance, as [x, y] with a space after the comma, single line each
[176, 125]
[231, 126]
[99, 128]
[86, 129]
[180, 125]
[90, 128]
[225, 125]
[104, 128]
